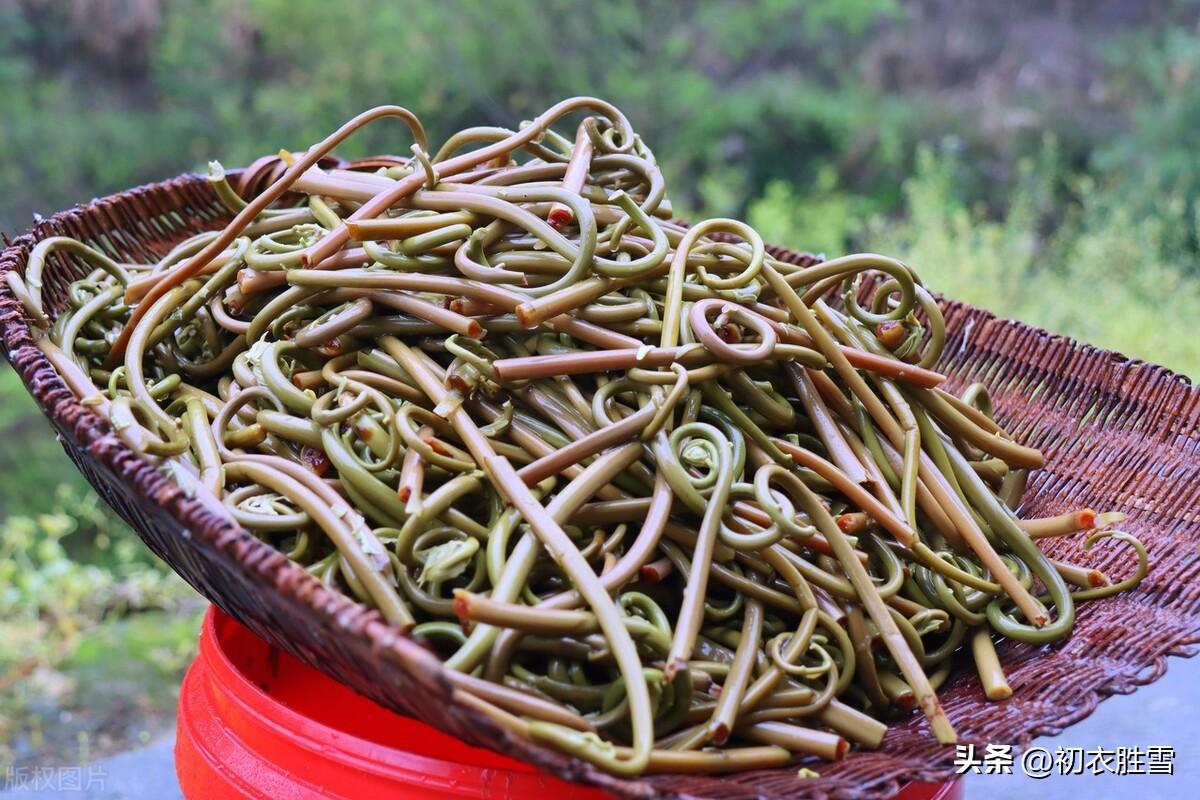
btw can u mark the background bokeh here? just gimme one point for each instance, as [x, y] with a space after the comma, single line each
[1037, 158]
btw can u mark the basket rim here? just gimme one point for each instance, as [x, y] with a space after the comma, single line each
[348, 617]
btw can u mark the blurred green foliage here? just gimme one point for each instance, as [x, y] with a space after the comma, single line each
[32, 463]
[72, 659]
[1036, 158]
[96, 104]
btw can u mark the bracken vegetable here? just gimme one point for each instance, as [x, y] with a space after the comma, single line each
[656, 501]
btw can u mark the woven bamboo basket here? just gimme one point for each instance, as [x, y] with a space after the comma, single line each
[1117, 433]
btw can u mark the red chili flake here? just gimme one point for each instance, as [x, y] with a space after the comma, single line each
[315, 460]
[331, 349]
[559, 217]
[649, 574]
[462, 610]
[890, 334]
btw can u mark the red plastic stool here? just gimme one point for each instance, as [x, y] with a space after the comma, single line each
[256, 723]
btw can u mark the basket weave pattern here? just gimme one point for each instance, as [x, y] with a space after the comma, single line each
[1118, 434]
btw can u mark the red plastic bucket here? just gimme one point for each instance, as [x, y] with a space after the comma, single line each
[256, 723]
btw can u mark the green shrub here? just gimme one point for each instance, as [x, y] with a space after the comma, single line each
[74, 581]
[1088, 266]
[76, 564]
[32, 462]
